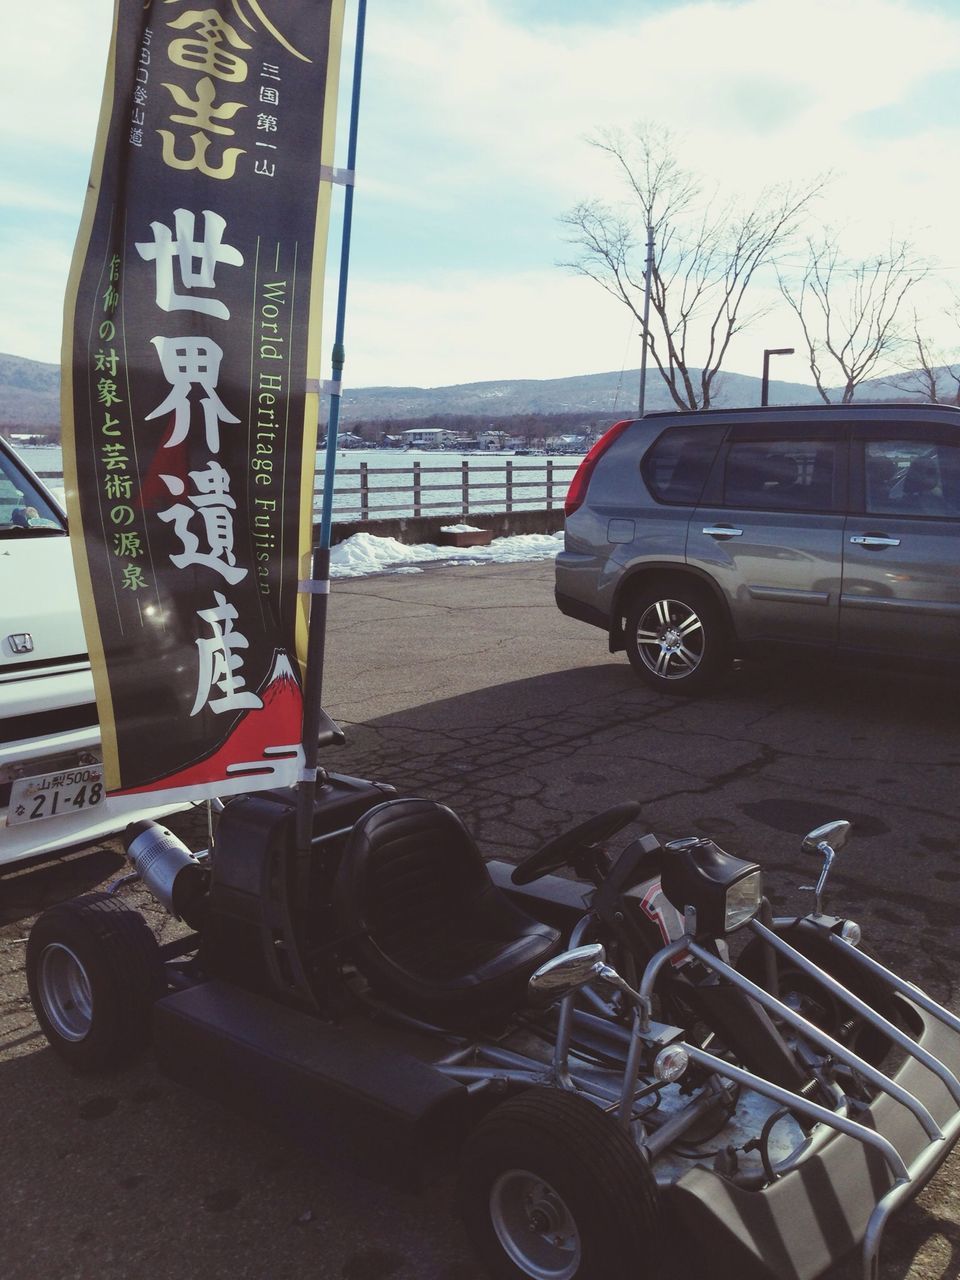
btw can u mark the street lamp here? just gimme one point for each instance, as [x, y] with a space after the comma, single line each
[765, 384]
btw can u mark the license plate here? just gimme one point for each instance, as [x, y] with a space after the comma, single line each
[52, 794]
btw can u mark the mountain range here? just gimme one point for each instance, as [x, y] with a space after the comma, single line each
[30, 390]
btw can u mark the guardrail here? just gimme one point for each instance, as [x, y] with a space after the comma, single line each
[370, 492]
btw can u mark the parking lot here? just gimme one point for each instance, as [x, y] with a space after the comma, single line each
[466, 685]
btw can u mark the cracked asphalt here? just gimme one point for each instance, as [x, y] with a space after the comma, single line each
[465, 684]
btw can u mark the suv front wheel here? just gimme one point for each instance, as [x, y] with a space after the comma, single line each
[675, 637]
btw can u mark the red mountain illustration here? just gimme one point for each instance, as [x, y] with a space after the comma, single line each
[263, 738]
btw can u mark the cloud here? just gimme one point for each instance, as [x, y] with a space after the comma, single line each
[473, 139]
[520, 100]
[33, 197]
[486, 326]
[33, 271]
[51, 69]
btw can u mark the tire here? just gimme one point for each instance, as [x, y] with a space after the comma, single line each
[94, 971]
[809, 998]
[552, 1188]
[675, 637]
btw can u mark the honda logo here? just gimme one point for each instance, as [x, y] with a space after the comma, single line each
[21, 642]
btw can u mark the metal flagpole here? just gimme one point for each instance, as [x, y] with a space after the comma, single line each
[313, 715]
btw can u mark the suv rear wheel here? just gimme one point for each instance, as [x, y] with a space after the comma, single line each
[675, 637]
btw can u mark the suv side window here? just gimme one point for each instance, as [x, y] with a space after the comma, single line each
[675, 469]
[782, 475]
[912, 478]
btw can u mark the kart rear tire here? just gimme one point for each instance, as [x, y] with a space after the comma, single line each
[816, 1004]
[552, 1188]
[94, 970]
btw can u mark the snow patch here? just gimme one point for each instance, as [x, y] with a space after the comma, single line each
[365, 553]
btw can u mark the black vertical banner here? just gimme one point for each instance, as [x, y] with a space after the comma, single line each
[191, 367]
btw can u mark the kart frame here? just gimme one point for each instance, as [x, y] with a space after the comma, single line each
[866, 1160]
[357, 1076]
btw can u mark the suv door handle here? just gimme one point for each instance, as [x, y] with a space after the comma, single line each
[872, 540]
[722, 531]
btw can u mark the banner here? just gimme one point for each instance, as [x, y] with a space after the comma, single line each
[190, 380]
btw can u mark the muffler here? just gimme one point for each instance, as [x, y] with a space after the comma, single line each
[168, 869]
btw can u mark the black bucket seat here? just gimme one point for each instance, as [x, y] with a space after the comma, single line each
[429, 929]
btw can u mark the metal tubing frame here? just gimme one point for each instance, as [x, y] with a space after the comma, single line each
[918, 1171]
[905, 988]
[795, 1102]
[561, 1048]
[471, 1075]
[875, 1019]
[631, 1070]
[652, 972]
[839, 1051]
[509, 1067]
[904, 1177]
[561, 1074]
[515, 1069]
[660, 1139]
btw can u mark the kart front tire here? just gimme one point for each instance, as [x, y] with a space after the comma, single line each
[552, 1188]
[94, 970]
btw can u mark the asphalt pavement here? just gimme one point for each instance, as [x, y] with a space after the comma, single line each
[466, 685]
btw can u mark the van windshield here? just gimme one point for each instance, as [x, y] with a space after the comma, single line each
[24, 510]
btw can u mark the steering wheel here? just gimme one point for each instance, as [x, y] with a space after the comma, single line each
[561, 851]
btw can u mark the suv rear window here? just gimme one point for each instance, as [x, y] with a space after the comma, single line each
[783, 475]
[676, 468]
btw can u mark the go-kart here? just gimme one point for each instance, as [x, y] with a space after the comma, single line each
[623, 1098]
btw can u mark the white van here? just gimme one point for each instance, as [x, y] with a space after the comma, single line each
[51, 777]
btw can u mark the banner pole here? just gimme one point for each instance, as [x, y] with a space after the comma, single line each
[320, 589]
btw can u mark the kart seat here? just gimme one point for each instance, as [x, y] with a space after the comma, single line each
[428, 928]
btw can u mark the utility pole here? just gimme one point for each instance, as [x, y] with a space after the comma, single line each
[647, 276]
[765, 383]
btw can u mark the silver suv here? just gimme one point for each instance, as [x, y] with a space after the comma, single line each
[692, 538]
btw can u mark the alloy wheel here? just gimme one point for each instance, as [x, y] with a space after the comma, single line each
[670, 639]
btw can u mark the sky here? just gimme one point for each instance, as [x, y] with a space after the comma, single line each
[475, 131]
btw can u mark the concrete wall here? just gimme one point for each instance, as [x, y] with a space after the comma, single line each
[411, 529]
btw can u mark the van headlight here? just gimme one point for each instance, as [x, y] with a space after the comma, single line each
[719, 892]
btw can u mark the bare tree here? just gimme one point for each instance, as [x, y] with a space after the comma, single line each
[926, 372]
[848, 310]
[705, 257]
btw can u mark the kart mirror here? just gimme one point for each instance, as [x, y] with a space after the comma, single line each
[827, 840]
[835, 834]
[564, 973]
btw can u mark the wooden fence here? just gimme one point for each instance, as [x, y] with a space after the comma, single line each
[371, 492]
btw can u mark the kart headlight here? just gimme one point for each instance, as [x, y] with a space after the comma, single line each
[743, 901]
[715, 891]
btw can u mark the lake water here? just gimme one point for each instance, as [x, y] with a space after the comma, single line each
[389, 480]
